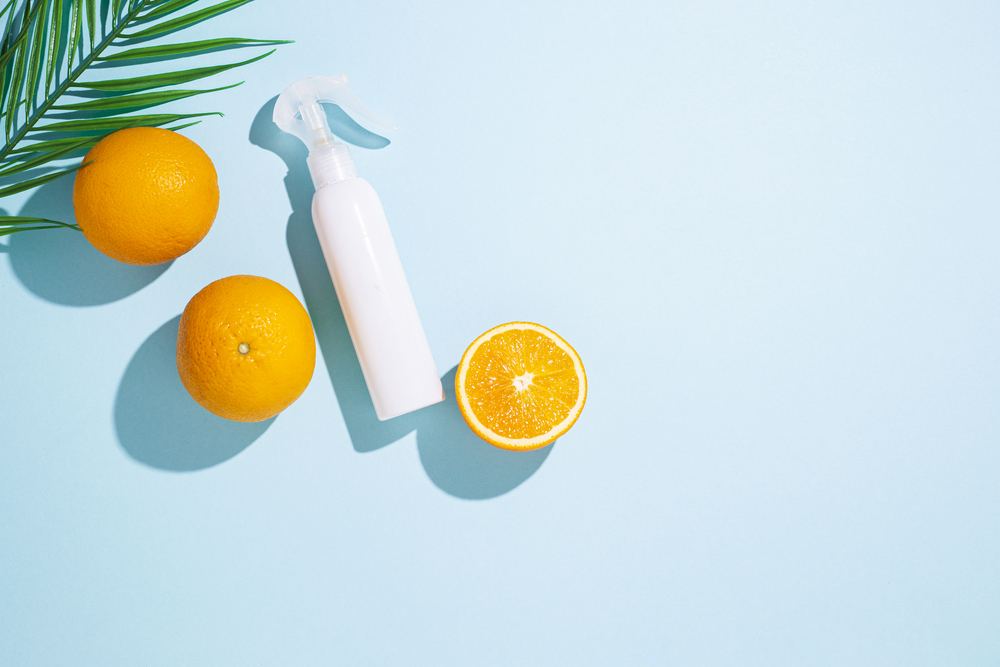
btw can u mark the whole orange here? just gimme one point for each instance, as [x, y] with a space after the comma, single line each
[245, 348]
[147, 196]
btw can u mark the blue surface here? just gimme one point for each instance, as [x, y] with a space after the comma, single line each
[770, 230]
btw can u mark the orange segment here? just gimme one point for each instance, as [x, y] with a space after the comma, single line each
[520, 386]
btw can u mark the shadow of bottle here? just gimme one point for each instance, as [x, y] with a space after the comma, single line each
[61, 266]
[160, 425]
[462, 464]
[455, 459]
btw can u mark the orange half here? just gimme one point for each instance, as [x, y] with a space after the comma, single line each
[520, 386]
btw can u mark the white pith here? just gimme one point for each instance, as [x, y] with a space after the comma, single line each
[561, 427]
[522, 382]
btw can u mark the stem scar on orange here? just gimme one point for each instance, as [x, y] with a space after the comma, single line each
[520, 386]
[245, 348]
[145, 195]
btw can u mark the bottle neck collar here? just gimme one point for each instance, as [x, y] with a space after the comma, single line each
[330, 163]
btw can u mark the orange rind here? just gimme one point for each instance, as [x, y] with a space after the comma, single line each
[245, 348]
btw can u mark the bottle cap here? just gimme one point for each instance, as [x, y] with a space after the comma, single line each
[299, 111]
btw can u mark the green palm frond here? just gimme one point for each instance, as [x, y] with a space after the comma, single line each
[51, 109]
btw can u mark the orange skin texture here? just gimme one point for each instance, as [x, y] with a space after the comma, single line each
[276, 368]
[148, 196]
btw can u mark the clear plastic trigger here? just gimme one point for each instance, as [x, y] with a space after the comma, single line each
[299, 111]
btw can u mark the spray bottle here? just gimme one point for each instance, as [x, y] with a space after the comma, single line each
[360, 253]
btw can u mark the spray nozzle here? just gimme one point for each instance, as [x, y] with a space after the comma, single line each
[299, 110]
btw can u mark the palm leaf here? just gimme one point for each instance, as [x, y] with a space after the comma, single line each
[48, 50]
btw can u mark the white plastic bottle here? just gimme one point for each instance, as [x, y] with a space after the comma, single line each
[360, 254]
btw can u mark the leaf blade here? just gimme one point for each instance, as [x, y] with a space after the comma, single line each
[6, 7]
[138, 100]
[50, 145]
[54, 37]
[13, 49]
[178, 128]
[165, 79]
[74, 35]
[44, 158]
[10, 224]
[187, 19]
[167, 8]
[35, 182]
[15, 88]
[118, 123]
[91, 22]
[187, 48]
[8, 51]
[35, 67]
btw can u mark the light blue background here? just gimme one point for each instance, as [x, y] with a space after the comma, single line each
[770, 230]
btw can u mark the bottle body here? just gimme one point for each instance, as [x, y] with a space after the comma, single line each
[375, 298]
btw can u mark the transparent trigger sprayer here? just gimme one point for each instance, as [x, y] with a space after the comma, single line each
[360, 254]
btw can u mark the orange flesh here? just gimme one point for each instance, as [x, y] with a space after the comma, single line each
[520, 384]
